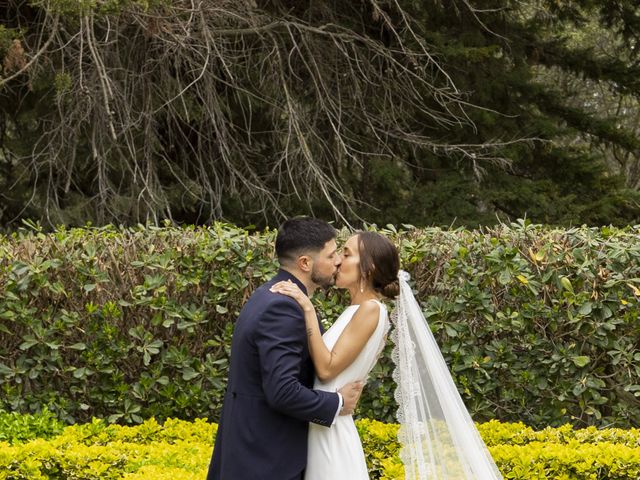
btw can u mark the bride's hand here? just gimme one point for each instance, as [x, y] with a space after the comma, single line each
[292, 290]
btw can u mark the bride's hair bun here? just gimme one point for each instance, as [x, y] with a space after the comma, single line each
[379, 263]
[391, 290]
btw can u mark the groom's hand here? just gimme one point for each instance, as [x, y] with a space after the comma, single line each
[350, 394]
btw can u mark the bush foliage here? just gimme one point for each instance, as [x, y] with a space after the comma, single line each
[537, 324]
[15, 427]
[180, 450]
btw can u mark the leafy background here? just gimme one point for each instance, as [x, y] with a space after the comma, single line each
[537, 324]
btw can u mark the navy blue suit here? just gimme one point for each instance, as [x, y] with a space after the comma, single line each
[262, 433]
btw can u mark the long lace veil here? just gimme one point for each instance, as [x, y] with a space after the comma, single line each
[438, 438]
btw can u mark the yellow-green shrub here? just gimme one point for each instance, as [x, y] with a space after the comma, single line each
[180, 450]
[379, 441]
[15, 427]
[521, 453]
[175, 450]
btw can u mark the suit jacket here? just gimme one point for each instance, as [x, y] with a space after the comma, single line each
[262, 433]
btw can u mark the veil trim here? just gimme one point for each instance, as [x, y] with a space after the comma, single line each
[438, 438]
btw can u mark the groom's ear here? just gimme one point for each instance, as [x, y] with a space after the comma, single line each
[304, 263]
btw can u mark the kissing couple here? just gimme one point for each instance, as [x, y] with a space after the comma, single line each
[292, 388]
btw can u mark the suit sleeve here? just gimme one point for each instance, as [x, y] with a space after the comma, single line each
[280, 340]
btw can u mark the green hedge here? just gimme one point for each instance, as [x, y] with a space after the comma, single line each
[179, 450]
[537, 324]
[15, 428]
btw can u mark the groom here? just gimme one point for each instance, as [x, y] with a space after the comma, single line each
[262, 434]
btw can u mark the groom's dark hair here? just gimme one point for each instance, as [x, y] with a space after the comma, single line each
[300, 236]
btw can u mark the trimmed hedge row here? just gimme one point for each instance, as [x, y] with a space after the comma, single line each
[175, 451]
[521, 453]
[181, 450]
[537, 324]
[16, 428]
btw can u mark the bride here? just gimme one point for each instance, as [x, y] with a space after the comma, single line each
[438, 438]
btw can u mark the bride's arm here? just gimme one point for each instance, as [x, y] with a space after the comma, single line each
[329, 363]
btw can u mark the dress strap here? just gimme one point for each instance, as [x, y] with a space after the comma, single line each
[378, 302]
[382, 317]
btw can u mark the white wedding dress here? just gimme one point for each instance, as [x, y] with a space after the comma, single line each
[336, 453]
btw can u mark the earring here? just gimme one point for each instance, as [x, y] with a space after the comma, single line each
[361, 287]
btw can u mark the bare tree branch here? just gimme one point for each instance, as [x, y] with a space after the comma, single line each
[214, 100]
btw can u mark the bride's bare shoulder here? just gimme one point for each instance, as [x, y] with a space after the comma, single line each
[368, 312]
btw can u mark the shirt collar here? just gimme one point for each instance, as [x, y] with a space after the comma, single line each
[283, 275]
